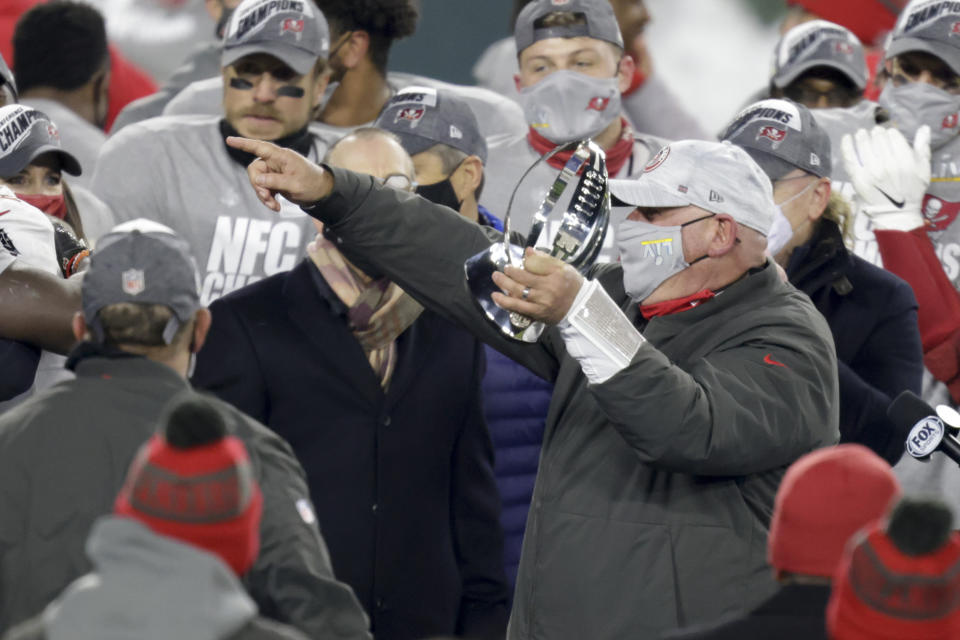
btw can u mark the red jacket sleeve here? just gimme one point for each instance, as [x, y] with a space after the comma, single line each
[910, 255]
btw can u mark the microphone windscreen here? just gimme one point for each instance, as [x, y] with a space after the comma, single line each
[907, 410]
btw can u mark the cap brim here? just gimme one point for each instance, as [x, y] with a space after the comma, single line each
[68, 162]
[645, 192]
[945, 52]
[412, 144]
[297, 59]
[781, 81]
[774, 166]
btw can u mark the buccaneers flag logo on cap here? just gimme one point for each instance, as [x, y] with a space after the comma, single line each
[772, 133]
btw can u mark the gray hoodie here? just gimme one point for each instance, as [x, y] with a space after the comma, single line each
[148, 586]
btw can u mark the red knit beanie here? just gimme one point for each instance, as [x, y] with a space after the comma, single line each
[899, 586]
[194, 483]
[825, 497]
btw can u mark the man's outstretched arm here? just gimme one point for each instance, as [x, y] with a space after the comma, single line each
[36, 307]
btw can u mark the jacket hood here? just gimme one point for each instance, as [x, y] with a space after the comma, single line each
[148, 587]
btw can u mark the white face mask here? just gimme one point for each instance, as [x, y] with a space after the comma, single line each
[915, 104]
[650, 254]
[568, 105]
[781, 231]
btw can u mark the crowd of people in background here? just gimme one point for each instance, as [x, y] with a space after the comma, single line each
[247, 392]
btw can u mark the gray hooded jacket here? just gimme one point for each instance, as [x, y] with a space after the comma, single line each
[150, 587]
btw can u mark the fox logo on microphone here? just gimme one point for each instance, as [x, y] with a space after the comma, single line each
[924, 437]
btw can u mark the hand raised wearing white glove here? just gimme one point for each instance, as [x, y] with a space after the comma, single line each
[890, 177]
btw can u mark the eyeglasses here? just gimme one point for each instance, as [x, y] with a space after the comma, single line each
[398, 181]
[836, 96]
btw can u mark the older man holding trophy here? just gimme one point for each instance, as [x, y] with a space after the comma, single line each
[688, 375]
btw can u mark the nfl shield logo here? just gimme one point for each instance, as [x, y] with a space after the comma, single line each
[132, 282]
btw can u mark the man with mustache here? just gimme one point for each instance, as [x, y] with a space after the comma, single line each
[178, 170]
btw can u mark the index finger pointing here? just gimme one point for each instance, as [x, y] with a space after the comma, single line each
[256, 147]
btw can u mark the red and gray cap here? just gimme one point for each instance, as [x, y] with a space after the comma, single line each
[819, 43]
[715, 176]
[782, 136]
[141, 262]
[6, 78]
[930, 26]
[293, 31]
[422, 117]
[600, 22]
[26, 133]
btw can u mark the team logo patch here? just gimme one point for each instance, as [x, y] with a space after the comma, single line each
[844, 48]
[598, 103]
[682, 188]
[410, 114]
[292, 25]
[774, 134]
[950, 122]
[955, 29]
[559, 3]
[132, 282]
[52, 131]
[657, 160]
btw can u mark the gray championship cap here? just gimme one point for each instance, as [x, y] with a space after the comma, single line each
[293, 31]
[715, 176]
[931, 26]
[819, 44]
[141, 262]
[782, 136]
[422, 117]
[26, 133]
[600, 22]
[7, 80]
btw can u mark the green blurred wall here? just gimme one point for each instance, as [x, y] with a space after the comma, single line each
[450, 37]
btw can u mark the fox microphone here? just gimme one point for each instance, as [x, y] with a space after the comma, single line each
[928, 427]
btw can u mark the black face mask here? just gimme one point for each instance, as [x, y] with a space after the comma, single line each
[440, 193]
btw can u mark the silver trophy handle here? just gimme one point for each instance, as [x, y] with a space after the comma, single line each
[577, 242]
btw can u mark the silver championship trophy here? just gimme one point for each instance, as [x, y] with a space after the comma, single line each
[577, 242]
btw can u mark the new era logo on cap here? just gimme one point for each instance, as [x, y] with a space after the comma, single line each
[455, 133]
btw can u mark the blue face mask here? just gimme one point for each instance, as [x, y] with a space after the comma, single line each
[650, 254]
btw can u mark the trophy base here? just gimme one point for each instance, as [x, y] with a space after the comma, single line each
[479, 270]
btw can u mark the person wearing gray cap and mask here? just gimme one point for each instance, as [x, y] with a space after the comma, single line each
[178, 170]
[63, 453]
[872, 313]
[688, 377]
[819, 64]
[572, 74]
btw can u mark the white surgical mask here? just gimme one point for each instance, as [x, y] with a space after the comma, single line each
[781, 231]
[650, 254]
[915, 104]
[569, 105]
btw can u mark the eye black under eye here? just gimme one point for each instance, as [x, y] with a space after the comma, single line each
[240, 83]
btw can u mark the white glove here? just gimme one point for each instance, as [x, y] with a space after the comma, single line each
[889, 176]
